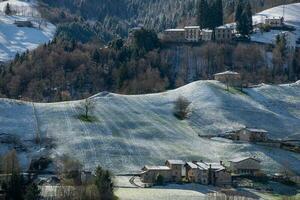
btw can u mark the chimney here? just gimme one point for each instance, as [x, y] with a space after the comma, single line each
[195, 162]
[221, 162]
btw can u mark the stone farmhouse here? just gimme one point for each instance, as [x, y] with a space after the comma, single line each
[245, 166]
[149, 173]
[250, 135]
[275, 22]
[230, 78]
[208, 173]
[194, 172]
[177, 169]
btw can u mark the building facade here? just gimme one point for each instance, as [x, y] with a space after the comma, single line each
[174, 35]
[223, 33]
[177, 167]
[229, 78]
[275, 22]
[207, 35]
[192, 33]
[245, 166]
[150, 173]
[250, 135]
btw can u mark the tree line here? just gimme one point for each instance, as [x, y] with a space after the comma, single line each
[20, 186]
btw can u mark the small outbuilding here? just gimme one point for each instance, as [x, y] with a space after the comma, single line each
[230, 78]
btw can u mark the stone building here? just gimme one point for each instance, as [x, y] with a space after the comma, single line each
[229, 78]
[176, 167]
[223, 33]
[250, 135]
[245, 166]
[275, 22]
[192, 33]
[150, 173]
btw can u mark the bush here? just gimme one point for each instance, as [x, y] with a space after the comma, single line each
[181, 108]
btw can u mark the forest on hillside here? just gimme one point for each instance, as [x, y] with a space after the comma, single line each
[112, 18]
[88, 55]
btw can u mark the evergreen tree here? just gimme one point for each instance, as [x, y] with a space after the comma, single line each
[104, 184]
[15, 187]
[202, 17]
[248, 13]
[7, 10]
[243, 17]
[239, 10]
[219, 12]
[33, 192]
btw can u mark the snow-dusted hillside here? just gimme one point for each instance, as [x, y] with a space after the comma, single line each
[291, 16]
[15, 39]
[132, 131]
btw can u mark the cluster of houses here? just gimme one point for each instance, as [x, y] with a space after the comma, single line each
[196, 34]
[225, 33]
[206, 173]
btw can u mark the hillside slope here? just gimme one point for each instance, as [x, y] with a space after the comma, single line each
[132, 131]
[14, 39]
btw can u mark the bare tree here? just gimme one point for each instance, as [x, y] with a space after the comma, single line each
[87, 105]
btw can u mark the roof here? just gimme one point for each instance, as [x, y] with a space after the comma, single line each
[192, 165]
[227, 73]
[176, 162]
[156, 167]
[175, 30]
[214, 166]
[257, 130]
[237, 160]
[207, 30]
[192, 27]
[225, 26]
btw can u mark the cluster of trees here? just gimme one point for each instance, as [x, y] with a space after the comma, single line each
[210, 13]
[14, 185]
[18, 187]
[243, 17]
[65, 69]
[100, 186]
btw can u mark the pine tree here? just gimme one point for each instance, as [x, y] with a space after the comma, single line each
[243, 17]
[219, 12]
[202, 17]
[7, 10]
[248, 13]
[239, 10]
[104, 184]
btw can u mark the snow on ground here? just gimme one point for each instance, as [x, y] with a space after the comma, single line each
[292, 17]
[15, 39]
[132, 131]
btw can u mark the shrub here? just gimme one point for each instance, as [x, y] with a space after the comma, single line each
[181, 108]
